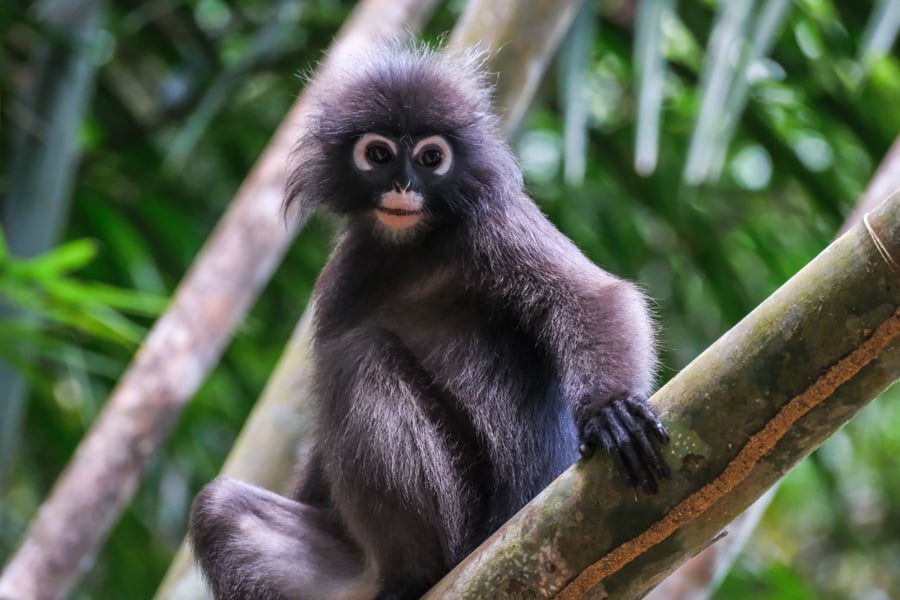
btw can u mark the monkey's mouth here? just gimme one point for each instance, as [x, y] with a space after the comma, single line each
[399, 212]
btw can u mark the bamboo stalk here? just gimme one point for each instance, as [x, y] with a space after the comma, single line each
[742, 414]
[698, 578]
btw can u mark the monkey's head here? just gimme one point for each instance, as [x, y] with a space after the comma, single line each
[404, 140]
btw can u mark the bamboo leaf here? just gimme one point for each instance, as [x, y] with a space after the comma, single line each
[881, 32]
[574, 83]
[725, 44]
[769, 25]
[93, 294]
[70, 256]
[27, 341]
[650, 66]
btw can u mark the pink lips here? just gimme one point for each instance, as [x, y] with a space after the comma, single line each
[400, 210]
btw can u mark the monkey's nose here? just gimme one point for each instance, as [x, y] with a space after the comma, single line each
[399, 189]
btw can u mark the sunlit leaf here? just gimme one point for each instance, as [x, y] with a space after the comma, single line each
[70, 256]
[98, 294]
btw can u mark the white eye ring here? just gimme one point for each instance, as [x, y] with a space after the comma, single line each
[441, 144]
[362, 144]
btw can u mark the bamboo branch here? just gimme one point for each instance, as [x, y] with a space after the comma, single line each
[699, 577]
[179, 352]
[885, 182]
[741, 415]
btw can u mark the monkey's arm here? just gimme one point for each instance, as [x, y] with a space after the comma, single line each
[598, 332]
[603, 345]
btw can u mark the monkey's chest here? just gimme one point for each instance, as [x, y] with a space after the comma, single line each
[476, 351]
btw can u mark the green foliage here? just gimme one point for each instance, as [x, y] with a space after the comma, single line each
[189, 93]
[42, 286]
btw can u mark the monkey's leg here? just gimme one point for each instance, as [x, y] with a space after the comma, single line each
[254, 544]
[398, 451]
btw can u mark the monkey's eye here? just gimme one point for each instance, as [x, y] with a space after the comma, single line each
[372, 149]
[431, 157]
[435, 153]
[378, 153]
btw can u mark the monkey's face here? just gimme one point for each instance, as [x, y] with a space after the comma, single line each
[405, 144]
[401, 177]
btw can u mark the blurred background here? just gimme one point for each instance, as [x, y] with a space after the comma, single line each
[707, 150]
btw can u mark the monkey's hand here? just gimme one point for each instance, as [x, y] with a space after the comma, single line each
[626, 428]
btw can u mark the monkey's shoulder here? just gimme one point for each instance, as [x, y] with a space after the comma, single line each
[521, 250]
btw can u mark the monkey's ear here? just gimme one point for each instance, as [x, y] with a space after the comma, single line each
[292, 206]
[292, 210]
[302, 195]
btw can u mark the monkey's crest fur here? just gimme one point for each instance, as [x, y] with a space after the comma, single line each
[465, 351]
[401, 89]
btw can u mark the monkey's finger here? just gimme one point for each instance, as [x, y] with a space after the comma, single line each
[638, 449]
[589, 435]
[610, 433]
[625, 447]
[606, 440]
[640, 409]
[586, 450]
[636, 467]
[650, 455]
[655, 457]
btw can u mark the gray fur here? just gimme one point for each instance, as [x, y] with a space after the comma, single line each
[461, 366]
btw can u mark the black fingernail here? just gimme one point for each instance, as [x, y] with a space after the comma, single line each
[663, 471]
[662, 434]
